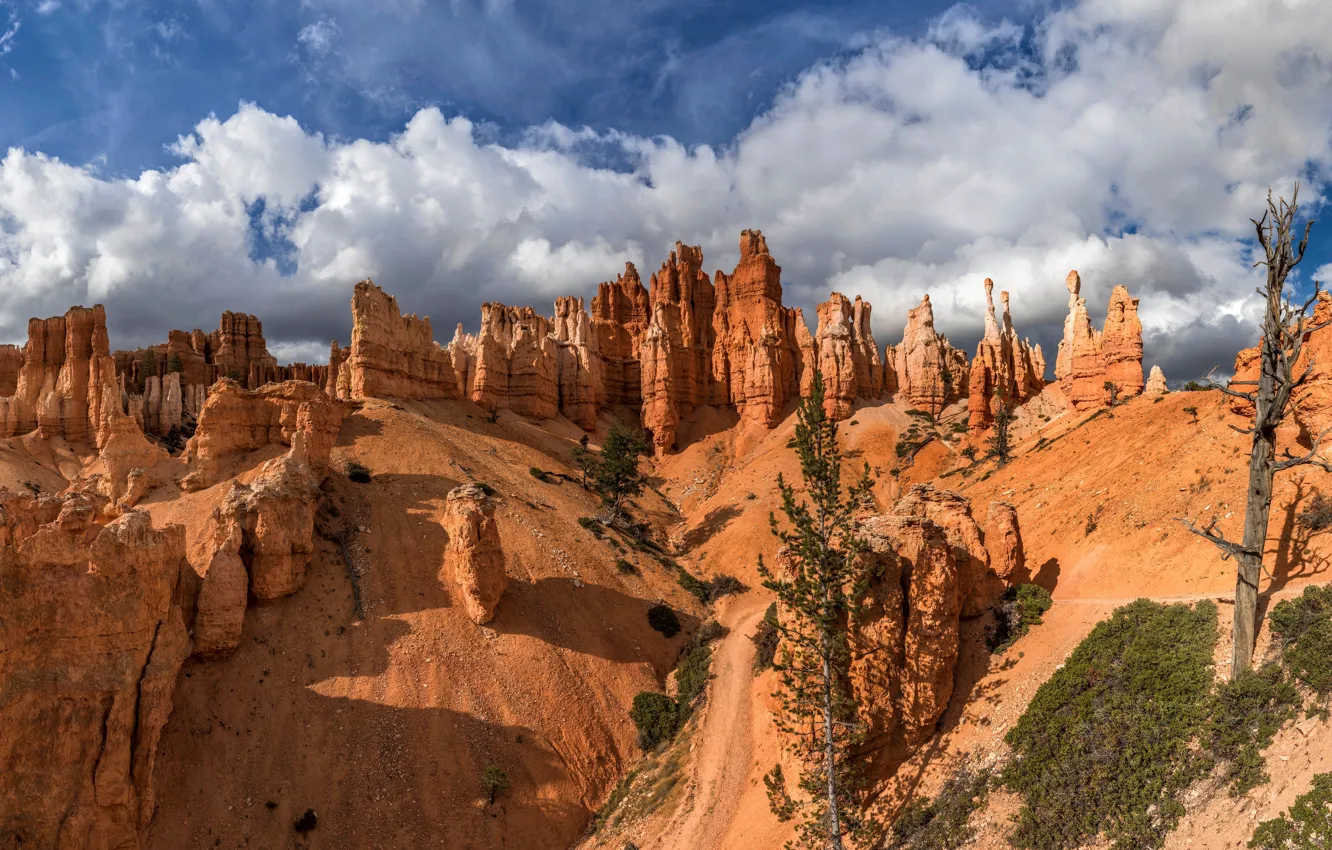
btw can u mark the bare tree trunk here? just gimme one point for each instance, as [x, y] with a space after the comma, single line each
[1250, 560]
[830, 751]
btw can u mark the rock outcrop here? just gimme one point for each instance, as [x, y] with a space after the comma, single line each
[757, 361]
[473, 554]
[934, 566]
[1005, 372]
[275, 512]
[846, 354]
[675, 354]
[1089, 359]
[620, 315]
[236, 420]
[1156, 383]
[165, 386]
[927, 371]
[392, 355]
[90, 646]
[223, 585]
[511, 362]
[62, 374]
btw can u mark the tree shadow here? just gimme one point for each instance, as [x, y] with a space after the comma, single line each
[574, 616]
[1047, 576]
[1294, 557]
[714, 522]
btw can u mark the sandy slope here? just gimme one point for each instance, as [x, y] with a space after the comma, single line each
[1134, 471]
[383, 726]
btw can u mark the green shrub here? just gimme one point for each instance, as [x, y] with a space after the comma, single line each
[1247, 711]
[942, 823]
[1306, 826]
[1304, 625]
[485, 488]
[539, 474]
[1105, 747]
[656, 716]
[662, 618]
[625, 567]
[1018, 610]
[358, 472]
[711, 590]
[691, 583]
[766, 638]
[724, 585]
[691, 676]
[494, 782]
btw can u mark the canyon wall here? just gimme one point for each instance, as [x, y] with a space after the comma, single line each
[90, 644]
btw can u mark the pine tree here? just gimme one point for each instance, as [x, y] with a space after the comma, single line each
[824, 576]
[175, 364]
[1001, 447]
[616, 475]
[147, 368]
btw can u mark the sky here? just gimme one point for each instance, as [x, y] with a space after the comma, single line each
[172, 160]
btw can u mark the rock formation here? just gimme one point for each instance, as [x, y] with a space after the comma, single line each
[90, 646]
[62, 373]
[473, 555]
[928, 372]
[847, 355]
[934, 566]
[235, 420]
[1088, 358]
[223, 585]
[620, 315]
[275, 512]
[579, 375]
[1156, 383]
[756, 361]
[392, 355]
[1006, 371]
[511, 362]
[676, 351]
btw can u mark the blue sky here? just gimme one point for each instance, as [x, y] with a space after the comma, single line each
[174, 159]
[117, 82]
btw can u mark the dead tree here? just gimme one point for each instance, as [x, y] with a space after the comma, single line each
[1286, 328]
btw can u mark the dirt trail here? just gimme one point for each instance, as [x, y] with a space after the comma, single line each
[722, 757]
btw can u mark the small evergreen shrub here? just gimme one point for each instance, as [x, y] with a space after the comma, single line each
[1304, 625]
[494, 782]
[711, 590]
[765, 639]
[358, 472]
[691, 676]
[1306, 826]
[485, 488]
[625, 567]
[942, 823]
[1018, 610]
[539, 474]
[656, 716]
[1247, 711]
[1106, 746]
[662, 618]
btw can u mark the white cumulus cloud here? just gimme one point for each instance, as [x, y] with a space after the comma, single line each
[1129, 140]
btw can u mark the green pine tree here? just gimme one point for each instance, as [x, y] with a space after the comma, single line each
[616, 475]
[823, 578]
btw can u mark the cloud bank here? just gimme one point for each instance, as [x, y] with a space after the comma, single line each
[1131, 140]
